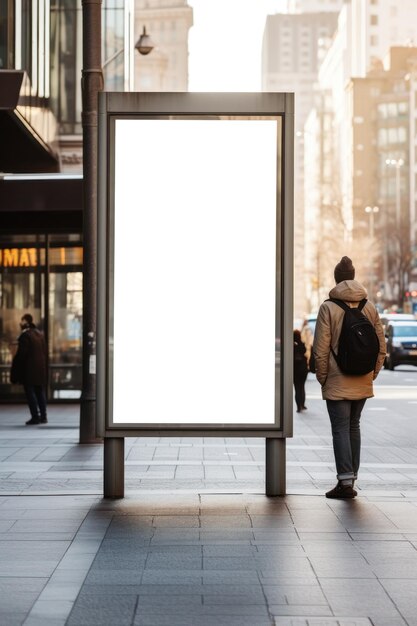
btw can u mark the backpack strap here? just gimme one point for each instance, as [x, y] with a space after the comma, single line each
[340, 303]
[345, 306]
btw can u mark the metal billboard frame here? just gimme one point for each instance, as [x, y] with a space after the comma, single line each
[114, 106]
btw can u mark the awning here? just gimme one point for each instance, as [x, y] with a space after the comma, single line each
[22, 147]
[41, 202]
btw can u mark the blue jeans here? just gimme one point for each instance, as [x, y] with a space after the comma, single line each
[35, 396]
[345, 417]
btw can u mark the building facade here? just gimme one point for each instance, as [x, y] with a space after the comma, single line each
[292, 48]
[168, 23]
[359, 51]
[41, 187]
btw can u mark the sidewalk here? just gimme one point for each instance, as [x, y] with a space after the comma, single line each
[196, 541]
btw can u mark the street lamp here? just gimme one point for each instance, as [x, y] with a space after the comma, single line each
[92, 83]
[371, 210]
[144, 44]
[397, 163]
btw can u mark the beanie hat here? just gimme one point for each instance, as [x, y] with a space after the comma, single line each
[344, 270]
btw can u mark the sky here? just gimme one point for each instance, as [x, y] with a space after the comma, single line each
[225, 43]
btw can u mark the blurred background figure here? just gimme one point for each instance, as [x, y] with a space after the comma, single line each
[300, 371]
[29, 369]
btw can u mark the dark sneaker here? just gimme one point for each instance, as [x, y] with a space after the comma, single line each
[342, 491]
[44, 420]
[32, 422]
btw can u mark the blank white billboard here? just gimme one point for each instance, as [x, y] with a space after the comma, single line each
[194, 272]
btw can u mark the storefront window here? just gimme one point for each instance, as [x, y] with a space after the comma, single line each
[65, 320]
[42, 275]
[66, 58]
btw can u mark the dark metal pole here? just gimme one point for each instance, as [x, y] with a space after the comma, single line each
[275, 467]
[114, 467]
[91, 84]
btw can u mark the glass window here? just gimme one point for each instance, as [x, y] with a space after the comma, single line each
[382, 110]
[42, 275]
[392, 135]
[26, 37]
[405, 331]
[22, 286]
[113, 56]
[374, 20]
[6, 34]
[392, 109]
[66, 57]
[382, 136]
[402, 134]
[402, 108]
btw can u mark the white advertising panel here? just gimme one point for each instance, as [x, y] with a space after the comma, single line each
[195, 214]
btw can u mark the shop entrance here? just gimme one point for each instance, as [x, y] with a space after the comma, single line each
[42, 274]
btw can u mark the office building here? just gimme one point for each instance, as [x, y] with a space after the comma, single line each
[353, 164]
[168, 23]
[293, 46]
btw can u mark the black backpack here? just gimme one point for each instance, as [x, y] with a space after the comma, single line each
[358, 347]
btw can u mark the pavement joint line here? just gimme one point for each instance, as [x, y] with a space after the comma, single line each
[35, 465]
[365, 493]
[41, 607]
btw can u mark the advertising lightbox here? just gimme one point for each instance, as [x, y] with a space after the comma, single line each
[191, 253]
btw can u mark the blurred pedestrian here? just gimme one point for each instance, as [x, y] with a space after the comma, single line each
[300, 371]
[29, 369]
[345, 394]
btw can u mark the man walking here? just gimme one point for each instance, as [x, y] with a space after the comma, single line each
[29, 369]
[345, 394]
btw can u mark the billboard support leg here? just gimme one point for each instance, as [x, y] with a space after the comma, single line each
[275, 479]
[114, 467]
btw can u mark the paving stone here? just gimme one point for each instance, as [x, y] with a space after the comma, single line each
[347, 567]
[322, 621]
[309, 610]
[177, 521]
[225, 521]
[109, 610]
[310, 595]
[19, 593]
[173, 561]
[228, 550]
[114, 577]
[218, 620]
[367, 594]
[404, 595]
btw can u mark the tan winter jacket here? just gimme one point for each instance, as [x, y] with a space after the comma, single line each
[334, 384]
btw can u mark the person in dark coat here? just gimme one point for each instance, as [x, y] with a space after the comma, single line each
[29, 369]
[300, 371]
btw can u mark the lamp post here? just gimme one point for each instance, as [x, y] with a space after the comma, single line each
[371, 210]
[144, 44]
[91, 84]
[397, 163]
